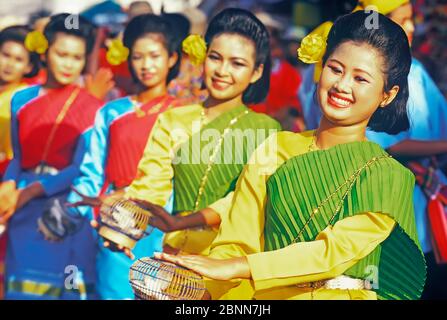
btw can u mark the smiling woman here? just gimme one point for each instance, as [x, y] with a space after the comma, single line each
[325, 214]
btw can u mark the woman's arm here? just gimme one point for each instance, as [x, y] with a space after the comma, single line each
[210, 216]
[92, 169]
[335, 250]
[417, 148]
[155, 172]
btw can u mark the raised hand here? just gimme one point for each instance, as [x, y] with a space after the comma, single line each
[111, 245]
[9, 196]
[100, 83]
[85, 200]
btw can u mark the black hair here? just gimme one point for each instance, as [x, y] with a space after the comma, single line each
[180, 23]
[336, 8]
[244, 23]
[149, 23]
[38, 15]
[389, 39]
[18, 34]
[62, 23]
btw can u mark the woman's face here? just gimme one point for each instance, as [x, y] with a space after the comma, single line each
[150, 61]
[66, 58]
[230, 66]
[403, 16]
[14, 62]
[351, 86]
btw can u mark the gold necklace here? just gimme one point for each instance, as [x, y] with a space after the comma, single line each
[210, 165]
[214, 155]
[351, 180]
[154, 109]
[313, 143]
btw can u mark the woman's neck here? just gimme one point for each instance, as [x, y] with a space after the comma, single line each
[214, 108]
[5, 86]
[51, 83]
[329, 134]
[145, 94]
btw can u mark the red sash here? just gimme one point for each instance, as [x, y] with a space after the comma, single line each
[436, 194]
[36, 122]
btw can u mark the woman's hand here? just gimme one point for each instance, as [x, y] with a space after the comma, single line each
[100, 83]
[29, 193]
[85, 200]
[226, 269]
[9, 196]
[160, 218]
[111, 245]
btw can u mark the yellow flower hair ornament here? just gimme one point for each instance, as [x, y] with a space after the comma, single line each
[195, 47]
[312, 49]
[35, 41]
[117, 53]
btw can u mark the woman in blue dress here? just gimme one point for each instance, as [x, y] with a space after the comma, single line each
[122, 128]
[50, 133]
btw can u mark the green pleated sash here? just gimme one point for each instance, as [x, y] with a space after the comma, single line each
[304, 181]
[248, 132]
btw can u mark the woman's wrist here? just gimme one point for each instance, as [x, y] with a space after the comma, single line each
[241, 268]
[34, 190]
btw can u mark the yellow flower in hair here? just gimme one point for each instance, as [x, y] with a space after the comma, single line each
[312, 48]
[195, 47]
[117, 53]
[35, 41]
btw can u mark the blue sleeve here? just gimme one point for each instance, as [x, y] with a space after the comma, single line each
[53, 184]
[437, 105]
[92, 169]
[306, 94]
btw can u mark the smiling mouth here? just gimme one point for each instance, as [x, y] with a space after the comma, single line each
[220, 85]
[147, 76]
[338, 101]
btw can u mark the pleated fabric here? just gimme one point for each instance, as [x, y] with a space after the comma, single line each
[247, 133]
[386, 187]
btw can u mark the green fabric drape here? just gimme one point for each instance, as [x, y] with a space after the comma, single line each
[251, 129]
[304, 181]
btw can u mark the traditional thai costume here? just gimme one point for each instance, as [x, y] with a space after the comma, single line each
[201, 161]
[427, 111]
[50, 134]
[5, 156]
[323, 224]
[121, 131]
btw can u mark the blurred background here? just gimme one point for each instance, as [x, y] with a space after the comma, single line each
[289, 19]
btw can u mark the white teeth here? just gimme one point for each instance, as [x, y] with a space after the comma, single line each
[341, 101]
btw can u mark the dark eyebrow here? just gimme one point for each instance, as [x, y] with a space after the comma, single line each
[233, 58]
[356, 69]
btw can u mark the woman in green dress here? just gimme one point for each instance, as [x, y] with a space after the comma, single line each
[327, 214]
[197, 152]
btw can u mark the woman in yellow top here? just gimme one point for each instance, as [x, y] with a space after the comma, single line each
[16, 63]
[197, 152]
[327, 214]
